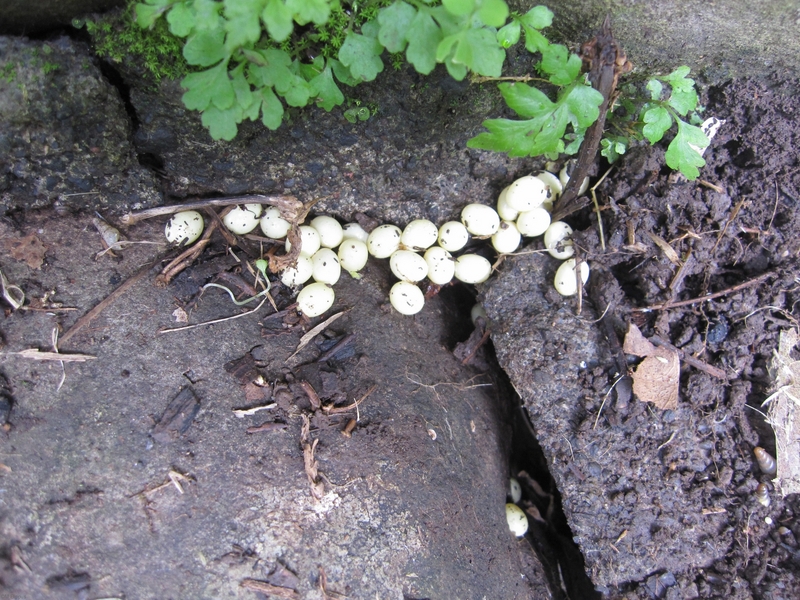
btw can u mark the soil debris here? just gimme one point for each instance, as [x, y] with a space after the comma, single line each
[28, 249]
[657, 377]
[177, 417]
[784, 413]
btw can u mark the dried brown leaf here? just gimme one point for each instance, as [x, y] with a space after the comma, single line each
[636, 344]
[657, 379]
[29, 249]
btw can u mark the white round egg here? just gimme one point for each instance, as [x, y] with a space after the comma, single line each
[557, 240]
[526, 193]
[564, 177]
[326, 267]
[242, 219]
[480, 219]
[453, 236]
[408, 266]
[503, 209]
[565, 280]
[299, 274]
[354, 231]
[384, 241]
[406, 298]
[329, 229]
[184, 227]
[478, 311]
[533, 222]
[309, 239]
[507, 238]
[441, 266]
[472, 268]
[516, 519]
[552, 184]
[315, 299]
[273, 225]
[420, 234]
[353, 255]
[514, 490]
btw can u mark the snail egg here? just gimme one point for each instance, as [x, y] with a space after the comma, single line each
[478, 311]
[564, 175]
[384, 241]
[441, 266]
[526, 193]
[408, 266]
[299, 274]
[242, 219]
[516, 519]
[309, 241]
[419, 235]
[354, 231]
[552, 185]
[273, 225]
[326, 267]
[453, 236]
[565, 277]
[314, 299]
[557, 240]
[533, 222]
[472, 268]
[353, 255]
[480, 219]
[507, 238]
[514, 490]
[503, 209]
[406, 298]
[329, 230]
[186, 225]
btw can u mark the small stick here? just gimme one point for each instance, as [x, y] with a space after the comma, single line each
[290, 204]
[266, 427]
[348, 429]
[341, 409]
[37, 354]
[313, 397]
[186, 258]
[267, 588]
[724, 292]
[597, 207]
[734, 214]
[691, 360]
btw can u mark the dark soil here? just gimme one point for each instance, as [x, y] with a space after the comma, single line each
[659, 503]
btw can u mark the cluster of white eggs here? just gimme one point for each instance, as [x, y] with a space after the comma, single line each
[515, 516]
[421, 250]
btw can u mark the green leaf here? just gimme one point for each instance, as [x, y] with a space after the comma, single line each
[181, 20]
[509, 35]
[562, 66]
[683, 153]
[583, 102]
[423, 36]
[394, 24]
[456, 70]
[475, 49]
[241, 89]
[538, 17]
[278, 20]
[657, 122]
[307, 11]
[534, 41]
[270, 68]
[655, 88]
[325, 89]
[342, 73]
[493, 12]
[271, 108]
[205, 48]
[362, 55]
[614, 147]
[243, 25]
[222, 123]
[147, 14]
[677, 75]
[212, 86]
[298, 92]
[459, 7]
[207, 14]
[683, 100]
[525, 100]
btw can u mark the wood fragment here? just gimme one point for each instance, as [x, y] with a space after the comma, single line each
[732, 216]
[311, 465]
[177, 417]
[333, 410]
[246, 412]
[267, 588]
[348, 428]
[288, 205]
[314, 332]
[313, 397]
[725, 292]
[266, 427]
[36, 354]
[186, 258]
[668, 250]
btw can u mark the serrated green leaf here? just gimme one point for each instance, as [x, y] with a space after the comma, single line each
[657, 121]
[342, 73]
[681, 155]
[298, 93]
[562, 66]
[324, 88]
[509, 35]
[221, 124]
[147, 14]
[583, 103]
[493, 12]
[278, 20]
[475, 49]
[362, 55]
[395, 22]
[655, 88]
[207, 15]
[271, 108]
[538, 17]
[525, 100]
[209, 87]
[459, 7]
[456, 70]
[181, 20]
[423, 36]
[613, 148]
[574, 146]
[534, 41]
[243, 25]
[683, 100]
[270, 68]
[241, 88]
[307, 11]
[678, 74]
[205, 48]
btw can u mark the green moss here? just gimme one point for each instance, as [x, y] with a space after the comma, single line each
[8, 72]
[118, 38]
